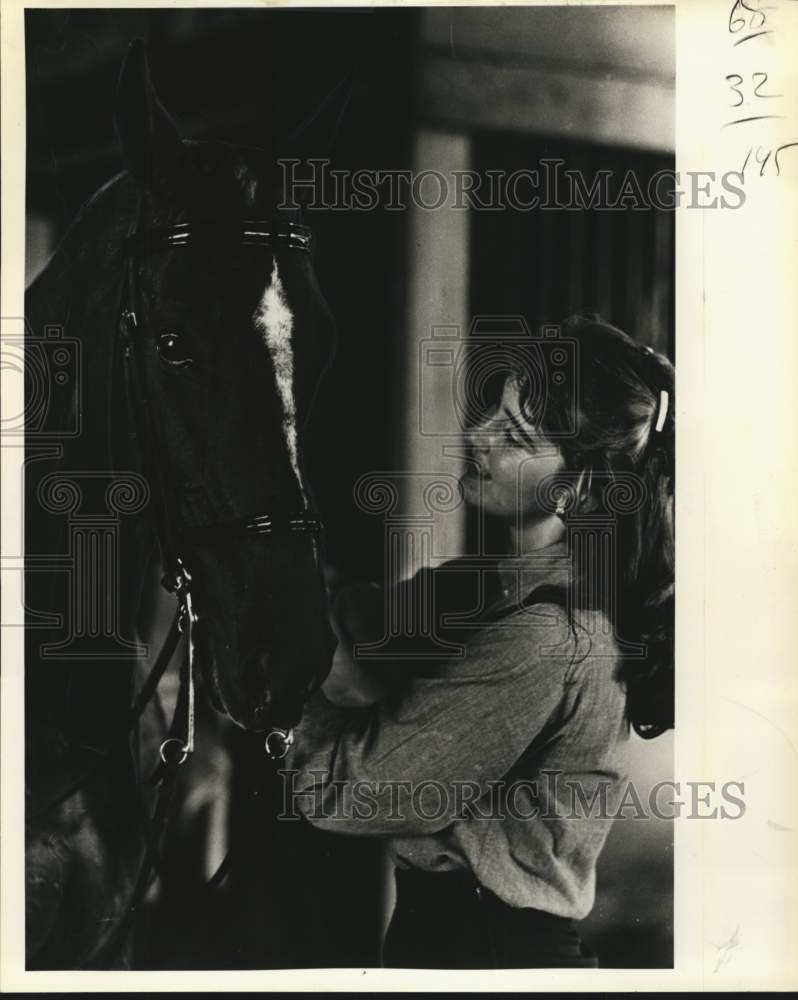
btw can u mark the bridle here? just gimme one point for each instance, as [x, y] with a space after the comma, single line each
[177, 579]
[174, 542]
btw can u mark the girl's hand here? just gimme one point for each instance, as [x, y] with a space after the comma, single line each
[350, 685]
[357, 616]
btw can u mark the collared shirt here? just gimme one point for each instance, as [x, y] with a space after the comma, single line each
[499, 748]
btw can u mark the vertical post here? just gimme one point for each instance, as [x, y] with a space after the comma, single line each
[438, 248]
[437, 295]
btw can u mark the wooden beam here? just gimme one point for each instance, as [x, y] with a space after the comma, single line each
[602, 108]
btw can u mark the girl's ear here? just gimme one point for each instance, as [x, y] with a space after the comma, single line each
[150, 144]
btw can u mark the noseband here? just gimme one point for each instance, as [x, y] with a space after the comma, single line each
[260, 233]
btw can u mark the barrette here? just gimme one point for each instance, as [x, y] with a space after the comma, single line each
[662, 410]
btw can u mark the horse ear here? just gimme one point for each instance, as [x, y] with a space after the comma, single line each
[315, 137]
[150, 144]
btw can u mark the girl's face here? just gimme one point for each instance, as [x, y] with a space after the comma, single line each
[509, 460]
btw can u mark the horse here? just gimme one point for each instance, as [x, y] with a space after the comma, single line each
[174, 346]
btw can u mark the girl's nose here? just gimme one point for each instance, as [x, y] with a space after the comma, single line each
[480, 435]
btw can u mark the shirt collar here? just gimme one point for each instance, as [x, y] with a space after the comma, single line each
[522, 573]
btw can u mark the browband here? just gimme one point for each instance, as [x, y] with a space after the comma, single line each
[261, 524]
[256, 233]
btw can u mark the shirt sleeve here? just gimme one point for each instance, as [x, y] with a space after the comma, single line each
[404, 765]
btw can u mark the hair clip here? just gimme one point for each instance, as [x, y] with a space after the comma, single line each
[662, 410]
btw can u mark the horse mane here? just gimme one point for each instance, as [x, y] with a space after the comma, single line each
[78, 291]
[76, 299]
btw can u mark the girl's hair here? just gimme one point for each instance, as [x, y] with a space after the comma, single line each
[604, 416]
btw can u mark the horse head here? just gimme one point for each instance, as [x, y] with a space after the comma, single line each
[227, 339]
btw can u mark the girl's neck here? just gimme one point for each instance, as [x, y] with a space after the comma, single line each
[534, 534]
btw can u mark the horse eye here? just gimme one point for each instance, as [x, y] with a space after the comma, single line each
[173, 350]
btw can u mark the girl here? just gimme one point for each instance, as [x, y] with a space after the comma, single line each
[494, 774]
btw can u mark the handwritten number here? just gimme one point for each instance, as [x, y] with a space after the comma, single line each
[752, 20]
[735, 23]
[748, 17]
[762, 83]
[753, 11]
[734, 87]
[759, 80]
[763, 160]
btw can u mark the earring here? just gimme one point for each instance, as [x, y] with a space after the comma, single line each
[582, 489]
[559, 510]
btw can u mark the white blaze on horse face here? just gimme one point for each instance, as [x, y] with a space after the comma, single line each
[275, 322]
